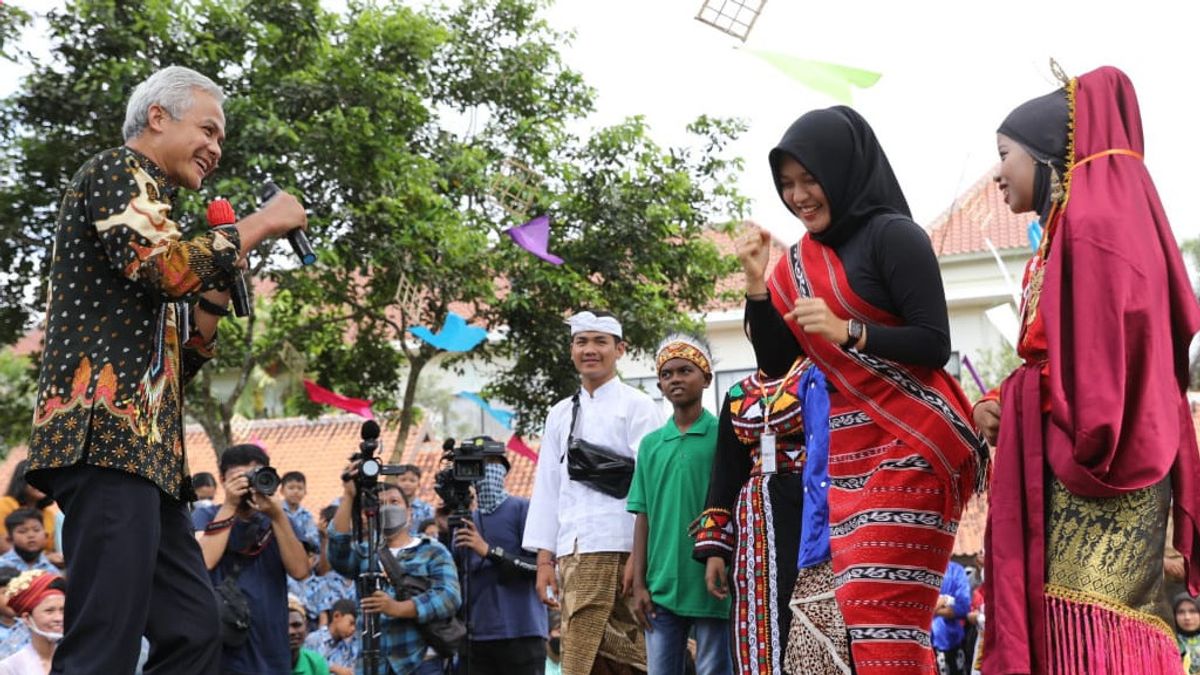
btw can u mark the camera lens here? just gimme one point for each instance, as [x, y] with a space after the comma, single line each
[264, 480]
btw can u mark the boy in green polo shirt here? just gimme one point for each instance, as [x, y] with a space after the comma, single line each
[670, 484]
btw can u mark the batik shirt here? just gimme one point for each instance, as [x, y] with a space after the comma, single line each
[303, 524]
[336, 652]
[113, 367]
[14, 560]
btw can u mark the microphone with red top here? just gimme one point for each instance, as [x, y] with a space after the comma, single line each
[220, 214]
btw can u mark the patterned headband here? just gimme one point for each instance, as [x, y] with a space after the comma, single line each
[678, 347]
[28, 589]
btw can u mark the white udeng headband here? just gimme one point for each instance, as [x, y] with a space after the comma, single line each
[586, 321]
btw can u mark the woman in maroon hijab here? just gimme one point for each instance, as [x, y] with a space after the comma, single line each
[1094, 432]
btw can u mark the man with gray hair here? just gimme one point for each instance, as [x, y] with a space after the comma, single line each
[577, 519]
[132, 316]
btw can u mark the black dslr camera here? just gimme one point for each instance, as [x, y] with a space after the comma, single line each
[263, 479]
[453, 484]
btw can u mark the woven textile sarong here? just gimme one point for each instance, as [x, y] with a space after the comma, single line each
[1104, 605]
[596, 620]
[891, 536]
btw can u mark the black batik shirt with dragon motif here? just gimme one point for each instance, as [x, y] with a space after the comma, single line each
[113, 367]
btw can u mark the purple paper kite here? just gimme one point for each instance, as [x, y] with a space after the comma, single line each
[534, 237]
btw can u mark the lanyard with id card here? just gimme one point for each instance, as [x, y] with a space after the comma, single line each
[766, 443]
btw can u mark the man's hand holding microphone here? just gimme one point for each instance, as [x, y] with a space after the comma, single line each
[281, 215]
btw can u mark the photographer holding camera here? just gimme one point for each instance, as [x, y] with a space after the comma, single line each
[250, 547]
[506, 621]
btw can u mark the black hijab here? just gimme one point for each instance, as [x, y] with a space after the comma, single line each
[839, 149]
[1040, 126]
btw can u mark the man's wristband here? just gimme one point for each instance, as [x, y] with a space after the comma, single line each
[218, 525]
[212, 307]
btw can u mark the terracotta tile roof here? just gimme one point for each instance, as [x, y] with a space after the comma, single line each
[320, 448]
[30, 342]
[976, 213]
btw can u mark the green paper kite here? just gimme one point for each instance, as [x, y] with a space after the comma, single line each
[830, 79]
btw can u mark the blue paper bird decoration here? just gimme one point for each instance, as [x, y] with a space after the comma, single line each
[504, 417]
[455, 335]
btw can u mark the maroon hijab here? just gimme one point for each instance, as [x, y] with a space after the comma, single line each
[1119, 308]
[1119, 315]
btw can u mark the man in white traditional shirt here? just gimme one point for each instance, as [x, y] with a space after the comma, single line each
[579, 525]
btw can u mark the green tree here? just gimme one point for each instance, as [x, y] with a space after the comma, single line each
[394, 125]
[12, 21]
[18, 383]
[637, 214]
[993, 366]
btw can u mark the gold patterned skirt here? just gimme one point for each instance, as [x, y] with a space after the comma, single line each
[1104, 603]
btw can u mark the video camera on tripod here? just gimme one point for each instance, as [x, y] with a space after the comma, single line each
[365, 472]
[453, 484]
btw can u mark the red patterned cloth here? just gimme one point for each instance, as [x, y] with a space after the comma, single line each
[903, 460]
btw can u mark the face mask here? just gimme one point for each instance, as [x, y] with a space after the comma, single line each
[53, 638]
[28, 556]
[489, 492]
[392, 519]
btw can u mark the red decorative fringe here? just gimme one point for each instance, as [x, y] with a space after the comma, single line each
[1089, 638]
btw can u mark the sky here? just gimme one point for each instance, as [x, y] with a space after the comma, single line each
[950, 72]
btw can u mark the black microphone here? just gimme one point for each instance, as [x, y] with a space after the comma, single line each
[220, 214]
[370, 430]
[297, 238]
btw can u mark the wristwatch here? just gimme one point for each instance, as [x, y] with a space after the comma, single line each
[854, 330]
[496, 553]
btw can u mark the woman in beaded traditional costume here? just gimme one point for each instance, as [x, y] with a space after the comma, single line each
[752, 517]
[1095, 438]
[861, 295]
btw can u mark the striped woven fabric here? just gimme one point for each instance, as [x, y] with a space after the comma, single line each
[596, 620]
[891, 539]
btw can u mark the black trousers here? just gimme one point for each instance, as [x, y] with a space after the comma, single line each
[518, 656]
[133, 568]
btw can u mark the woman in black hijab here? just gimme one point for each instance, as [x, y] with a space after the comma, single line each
[861, 295]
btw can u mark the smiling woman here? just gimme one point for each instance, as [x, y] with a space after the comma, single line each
[861, 296]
